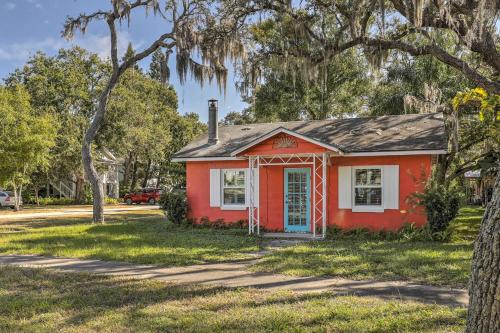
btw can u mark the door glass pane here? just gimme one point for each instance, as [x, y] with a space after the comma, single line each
[297, 198]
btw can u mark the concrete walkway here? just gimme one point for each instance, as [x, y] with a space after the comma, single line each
[72, 211]
[235, 275]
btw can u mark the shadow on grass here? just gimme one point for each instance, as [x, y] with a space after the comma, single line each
[43, 300]
[466, 226]
[422, 262]
[45, 222]
[148, 240]
[435, 263]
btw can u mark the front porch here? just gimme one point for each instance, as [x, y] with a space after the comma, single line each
[301, 215]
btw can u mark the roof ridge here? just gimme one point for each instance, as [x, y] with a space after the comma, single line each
[320, 120]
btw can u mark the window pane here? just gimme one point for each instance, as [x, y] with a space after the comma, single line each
[374, 177]
[361, 176]
[234, 178]
[234, 196]
[368, 196]
[368, 177]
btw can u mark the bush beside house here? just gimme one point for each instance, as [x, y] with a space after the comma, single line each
[175, 205]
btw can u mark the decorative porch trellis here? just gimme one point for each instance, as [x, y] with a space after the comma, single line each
[318, 162]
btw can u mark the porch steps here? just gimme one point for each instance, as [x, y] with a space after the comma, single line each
[288, 235]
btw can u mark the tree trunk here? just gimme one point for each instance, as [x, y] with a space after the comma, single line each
[19, 198]
[94, 180]
[158, 180]
[484, 284]
[147, 173]
[442, 165]
[79, 188]
[126, 172]
[133, 183]
[88, 163]
[16, 199]
[37, 198]
[98, 119]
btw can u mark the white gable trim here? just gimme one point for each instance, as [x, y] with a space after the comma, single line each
[399, 153]
[286, 131]
[378, 153]
[206, 159]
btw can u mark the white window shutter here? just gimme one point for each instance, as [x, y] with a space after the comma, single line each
[390, 187]
[215, 188]
[345, 187]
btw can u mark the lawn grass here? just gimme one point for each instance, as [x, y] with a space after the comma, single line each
[144, 237]
[37, 300]
[32, 208]
[135, 236]
[446, 264]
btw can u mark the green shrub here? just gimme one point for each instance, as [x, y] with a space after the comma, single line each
[409, 232]
[241, 224]
[54, 201]
[124, 190]
[50, 201]
[441, 205]
[336, 232]
[219, 224]
[333, 231]
[111, 201]
[175, 205]
[412, 233]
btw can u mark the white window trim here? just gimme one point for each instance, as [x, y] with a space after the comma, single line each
[366, 209]
[232, 207]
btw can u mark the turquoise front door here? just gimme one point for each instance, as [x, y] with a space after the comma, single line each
[297, 200]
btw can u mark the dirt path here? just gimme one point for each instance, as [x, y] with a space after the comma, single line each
[236, 275]
[70, 211]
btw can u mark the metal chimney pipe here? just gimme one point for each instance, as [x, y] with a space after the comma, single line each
[213, 122]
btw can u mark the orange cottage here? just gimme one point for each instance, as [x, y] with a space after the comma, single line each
[303, 176]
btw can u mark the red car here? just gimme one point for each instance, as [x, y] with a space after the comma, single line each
[146, 195]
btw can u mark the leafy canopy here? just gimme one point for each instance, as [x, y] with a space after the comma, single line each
[26, 137]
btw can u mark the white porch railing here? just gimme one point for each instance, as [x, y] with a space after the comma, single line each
[64, 190]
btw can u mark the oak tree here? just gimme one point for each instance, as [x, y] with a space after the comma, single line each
[326, 28]
[192, 26]
[26, 139]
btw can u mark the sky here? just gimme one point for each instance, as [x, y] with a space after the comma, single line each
[29, 26]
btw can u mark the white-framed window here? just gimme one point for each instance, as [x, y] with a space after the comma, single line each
[367, 194]
[233, 188]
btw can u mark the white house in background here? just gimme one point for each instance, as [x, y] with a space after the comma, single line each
[111, 172]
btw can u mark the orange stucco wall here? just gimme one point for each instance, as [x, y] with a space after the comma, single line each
[198, 191]
[413, 170]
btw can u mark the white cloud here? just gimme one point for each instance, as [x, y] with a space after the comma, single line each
[21, 51]
[38, 5]
[10, 5]
[93, 43]
[101, 44]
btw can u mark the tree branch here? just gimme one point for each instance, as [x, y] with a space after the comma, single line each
[440, 54]
[114, 49]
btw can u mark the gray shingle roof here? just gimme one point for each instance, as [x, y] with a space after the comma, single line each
[373, 134]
